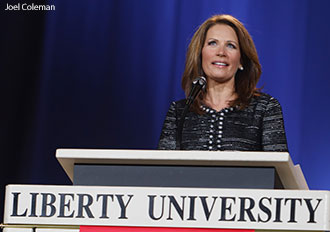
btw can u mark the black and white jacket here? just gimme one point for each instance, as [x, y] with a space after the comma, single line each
[258, 127]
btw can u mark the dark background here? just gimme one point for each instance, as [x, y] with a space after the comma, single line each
[101, 74]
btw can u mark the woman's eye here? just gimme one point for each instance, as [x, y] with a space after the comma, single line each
[212, 43]
[231, 46]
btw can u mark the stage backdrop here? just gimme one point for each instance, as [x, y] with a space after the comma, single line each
[102, 74]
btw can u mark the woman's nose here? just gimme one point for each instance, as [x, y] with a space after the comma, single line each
[221, 51]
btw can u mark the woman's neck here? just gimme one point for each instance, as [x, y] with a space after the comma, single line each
[219, 95]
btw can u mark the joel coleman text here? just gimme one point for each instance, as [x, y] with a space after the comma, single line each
[29, 7]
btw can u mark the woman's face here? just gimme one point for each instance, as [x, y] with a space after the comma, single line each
[221, 54]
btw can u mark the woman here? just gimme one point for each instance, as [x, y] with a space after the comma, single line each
[230, 113]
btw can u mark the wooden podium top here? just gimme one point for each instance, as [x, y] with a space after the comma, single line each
[290, 174]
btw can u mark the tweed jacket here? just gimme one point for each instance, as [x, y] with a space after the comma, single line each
[258, 127]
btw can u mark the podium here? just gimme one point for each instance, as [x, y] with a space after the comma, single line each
[207, 169]
[151, 190]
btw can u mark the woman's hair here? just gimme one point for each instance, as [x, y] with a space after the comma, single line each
[245, 80]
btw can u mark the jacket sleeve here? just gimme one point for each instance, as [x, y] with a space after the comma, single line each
[273, 133]
[168, 135]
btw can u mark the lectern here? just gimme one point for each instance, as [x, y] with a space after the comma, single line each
[206, 169]
[150, 190]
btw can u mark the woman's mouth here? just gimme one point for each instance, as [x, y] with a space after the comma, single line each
[220, 64]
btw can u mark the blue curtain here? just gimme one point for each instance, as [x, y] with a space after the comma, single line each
[109, 70]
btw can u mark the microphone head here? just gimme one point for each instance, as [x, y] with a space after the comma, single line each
[200, 81]
[198, 84]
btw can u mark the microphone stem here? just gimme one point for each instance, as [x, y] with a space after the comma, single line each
[180, 126]
[198, 84]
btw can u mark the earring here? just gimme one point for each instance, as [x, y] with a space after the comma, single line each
[241, 68]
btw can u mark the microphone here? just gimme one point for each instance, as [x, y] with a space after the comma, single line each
[197, 85]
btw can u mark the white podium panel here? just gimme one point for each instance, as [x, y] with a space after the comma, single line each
[17, 230]
[167, 207]
[38, 230]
